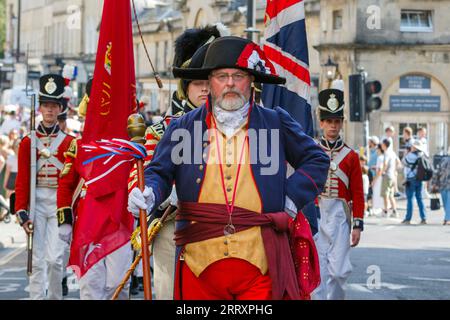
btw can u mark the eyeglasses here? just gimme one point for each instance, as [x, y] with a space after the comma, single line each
[223, 77]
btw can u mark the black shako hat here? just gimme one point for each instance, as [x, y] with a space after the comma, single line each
[191, 39]
[233, 52]
[51, 88]
[331, 104]
[186, 46]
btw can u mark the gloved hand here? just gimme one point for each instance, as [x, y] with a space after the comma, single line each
[141, 200]
[65, 232]
[23, 217]
[24, 221]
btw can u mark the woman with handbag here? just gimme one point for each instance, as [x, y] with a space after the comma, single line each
[441, 183]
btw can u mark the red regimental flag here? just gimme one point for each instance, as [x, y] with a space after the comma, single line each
[103, 224]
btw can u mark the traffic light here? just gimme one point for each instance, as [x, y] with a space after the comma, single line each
[363, 97]
[356, 98]
[373, 102]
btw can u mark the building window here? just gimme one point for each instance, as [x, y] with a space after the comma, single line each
[416, 21]
[337, 20]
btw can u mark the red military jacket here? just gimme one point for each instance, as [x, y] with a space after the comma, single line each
[344, 176]
[69, 178]
[50, 161]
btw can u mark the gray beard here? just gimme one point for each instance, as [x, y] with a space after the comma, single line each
[230, 104]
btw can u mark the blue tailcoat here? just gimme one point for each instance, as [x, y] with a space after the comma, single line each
[295, 147]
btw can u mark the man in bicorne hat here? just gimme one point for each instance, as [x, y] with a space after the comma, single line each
[235, 206]
[190, 50]
[341, 203]
[52, 143]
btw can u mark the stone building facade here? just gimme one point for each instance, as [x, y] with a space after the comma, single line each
[406, 46]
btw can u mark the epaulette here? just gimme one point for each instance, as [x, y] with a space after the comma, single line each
[178, 114]
[157, 130]
[72, 151]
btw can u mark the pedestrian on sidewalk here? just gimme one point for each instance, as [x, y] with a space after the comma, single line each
[412, 185]
[408, 138]
[389, 135]
[11, 170]
[373, 155]
[388, 178]
[377, 198]
[366, 183]
[441, 183]
[5, 151]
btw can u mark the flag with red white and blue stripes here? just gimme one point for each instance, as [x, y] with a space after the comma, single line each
[286, 47]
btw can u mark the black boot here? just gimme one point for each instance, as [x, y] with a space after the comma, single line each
[134, 286]
[65, 288]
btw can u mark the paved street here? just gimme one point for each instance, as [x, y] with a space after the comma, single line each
[392, 262]
[412, 261]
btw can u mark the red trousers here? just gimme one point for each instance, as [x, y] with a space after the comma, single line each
[226, 279]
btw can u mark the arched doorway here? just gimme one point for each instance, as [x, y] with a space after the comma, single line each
[417, 99]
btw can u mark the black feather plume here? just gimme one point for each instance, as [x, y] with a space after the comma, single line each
[190, 40]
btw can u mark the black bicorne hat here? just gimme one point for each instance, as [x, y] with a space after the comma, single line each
[234, 52]
[331, 104]
[51, 88]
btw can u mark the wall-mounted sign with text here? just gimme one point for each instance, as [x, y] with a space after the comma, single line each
[414, 83]
[415, 103]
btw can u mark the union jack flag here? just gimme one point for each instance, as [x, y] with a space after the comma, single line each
[286, 47]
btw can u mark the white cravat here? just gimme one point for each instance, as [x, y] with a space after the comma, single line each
[229, 121]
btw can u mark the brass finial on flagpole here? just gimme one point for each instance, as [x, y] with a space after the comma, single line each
[136, 128]
[136, 131]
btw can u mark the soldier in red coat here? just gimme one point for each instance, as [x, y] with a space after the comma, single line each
[341, 203]
[51, 143]
[102, 279]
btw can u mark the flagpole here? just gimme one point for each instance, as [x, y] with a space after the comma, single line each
[154, 230]
[136, 131]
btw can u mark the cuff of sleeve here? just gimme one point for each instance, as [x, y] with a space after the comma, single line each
[358, 224]
[64, 216]
[22, 216]
[290, 208]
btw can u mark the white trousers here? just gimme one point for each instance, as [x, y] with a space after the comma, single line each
[333, 246]
[164, 262]
[66, 257]
[103, 278]
[48, 248]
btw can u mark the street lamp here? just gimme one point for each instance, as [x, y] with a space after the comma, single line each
[331, 70]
